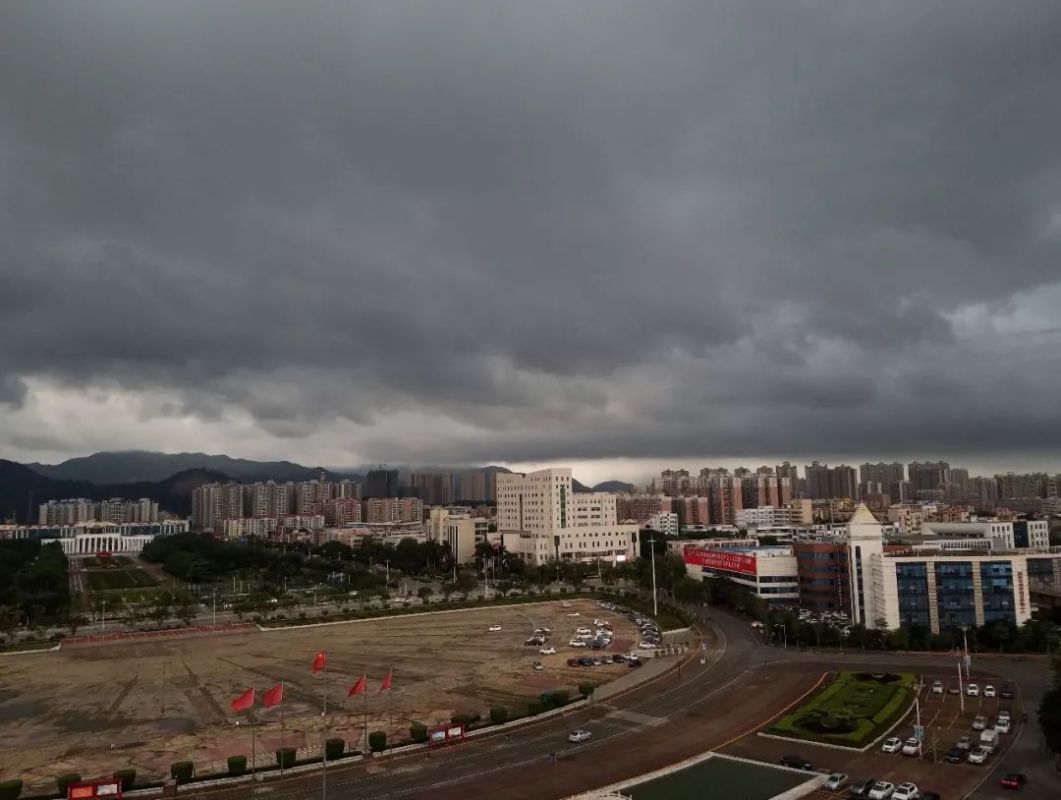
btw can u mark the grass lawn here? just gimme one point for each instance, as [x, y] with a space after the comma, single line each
[852, 710]
[719, 779]
[111, 579]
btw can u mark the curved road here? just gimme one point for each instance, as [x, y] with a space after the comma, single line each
[702, 706]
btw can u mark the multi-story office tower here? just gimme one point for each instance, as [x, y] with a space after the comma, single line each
[381, 483]
[540, 518]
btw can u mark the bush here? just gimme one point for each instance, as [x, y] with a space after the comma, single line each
[334, 748]
[465, 719]
[127, 777]
[10, 790]
[377, 741]
[534, 708]
[285, 757]
[182, 771]
[498, 715]
[63, 781]
[557, 699]
[586, 689]
[237, 765]
[418, 732]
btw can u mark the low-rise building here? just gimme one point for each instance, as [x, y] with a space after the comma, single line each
[89, 538]
[771, 573]
[666, 523]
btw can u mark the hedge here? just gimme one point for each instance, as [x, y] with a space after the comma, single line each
[127, 776]
[418, 732]
[285, 757]
[62, 781]
[534, 708]
[182, 771]
[334, 748]
[498, 715]
[237, 765]
[465, 719]
[898, 700]
[377, 741]
[587, 689]
[10, 790]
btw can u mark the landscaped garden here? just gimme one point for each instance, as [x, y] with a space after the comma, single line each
[853, 710]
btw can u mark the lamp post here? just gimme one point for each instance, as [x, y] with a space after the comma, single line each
[655, 604]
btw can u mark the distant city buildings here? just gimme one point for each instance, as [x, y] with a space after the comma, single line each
[92, 536]
[116, 510]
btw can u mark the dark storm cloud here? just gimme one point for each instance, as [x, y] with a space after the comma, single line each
[539, 230]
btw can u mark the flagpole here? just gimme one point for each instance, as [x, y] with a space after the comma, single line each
[324, 736]
[282, 753]
[254, 753]
[364, 745]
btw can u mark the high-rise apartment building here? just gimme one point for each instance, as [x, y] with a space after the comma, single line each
[540, 518]
[817, 481]
[636, 508]
[843, 482]
[434, 488]
[212, 503]
[381, 483]
[393, 509]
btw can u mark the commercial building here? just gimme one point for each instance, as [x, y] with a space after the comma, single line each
[462, 533]
[767, 517]
[89, 538]
[1015, 535]
[824, 575]
[769, 572]
[541, 519]
[666, 523]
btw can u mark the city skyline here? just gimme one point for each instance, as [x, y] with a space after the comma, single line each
[548, 233]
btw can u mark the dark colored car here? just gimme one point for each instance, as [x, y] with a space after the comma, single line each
[585, 662]
[861, 787]
[1006, 692]
[1012, 780]
[955, 756]
[797, 762]
[572, 662]
[618, 658]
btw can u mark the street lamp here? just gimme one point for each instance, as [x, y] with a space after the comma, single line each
[655, 604]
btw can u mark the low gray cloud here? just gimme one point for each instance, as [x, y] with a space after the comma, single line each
[483, 231]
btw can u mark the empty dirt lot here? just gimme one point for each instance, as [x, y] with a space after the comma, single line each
[147, 704]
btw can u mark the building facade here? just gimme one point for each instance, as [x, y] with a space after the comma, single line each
[769, 572]
[89, 538]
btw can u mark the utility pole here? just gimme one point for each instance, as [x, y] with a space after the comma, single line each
[215, 606]
[966, 658]
[655, 604]
[961, 689]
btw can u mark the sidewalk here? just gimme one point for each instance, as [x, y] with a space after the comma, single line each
[649, 669]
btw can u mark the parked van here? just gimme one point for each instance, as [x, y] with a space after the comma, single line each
[989, 739]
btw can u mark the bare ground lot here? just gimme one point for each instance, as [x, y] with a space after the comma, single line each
[147, 704]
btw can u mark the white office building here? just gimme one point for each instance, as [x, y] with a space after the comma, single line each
[665, 522]
[540, 518]
[89, 538]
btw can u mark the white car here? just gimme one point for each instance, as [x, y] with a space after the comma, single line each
[989, 691]
[836, 781]
[574, 614]
[972, 690]
[906, 791]
[937, 687]
[547, 651]
[494, 628]
[979, 722]
[978, 755]
[576, 643]
[648, 645]
[1002, 724]
[579, 735]
[892, 745]
[881, 790]
[912, 747]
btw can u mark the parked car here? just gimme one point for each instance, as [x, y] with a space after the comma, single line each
[989, 690]
[585, 662]
[618, 658]
[1006, 692]
[572, 662]
[978, 755]
[547, 651]
[836, 781]
[579, 735]
[955, 755]
[912, 747]
[861, 787]
[964, 743]
[797, 762]
[576, 643]
[1002, 724]
[906, 791]
[972, 690]
[881, 790]
[937, 687]
[892, 745]
[1013, 780]
[989, 739]
[979, 722]
[494, 628]
[953, 689]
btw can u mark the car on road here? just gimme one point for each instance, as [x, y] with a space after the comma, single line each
[576, 643]
[881, 790]
[906, 791]
[547, 651]
[861, 787]
[836, 781]
[954, 756]
[989, 690]
[979, 722]
[797, 762]
[937, 687]
[1002, 724]
[579, 735]
[494, 628]
[1013, 780]
[978, 755]
[912, 747]
[972, 690]
[1006, 692]
[964, 743]
[892, 745]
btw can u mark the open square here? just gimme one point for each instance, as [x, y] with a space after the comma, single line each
[720, 778]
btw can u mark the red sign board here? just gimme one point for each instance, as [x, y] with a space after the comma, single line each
[716, 558]
[445, 734]
[88, 791]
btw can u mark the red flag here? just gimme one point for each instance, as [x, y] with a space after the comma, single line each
[243, 702]
[386, 684]
[273, 697]
[319, 661]
[357, 688]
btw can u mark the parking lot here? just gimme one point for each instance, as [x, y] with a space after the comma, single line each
[945, 717]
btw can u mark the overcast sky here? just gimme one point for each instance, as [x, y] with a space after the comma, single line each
[613, 235]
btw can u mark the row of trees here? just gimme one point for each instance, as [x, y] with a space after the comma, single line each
[34, 588]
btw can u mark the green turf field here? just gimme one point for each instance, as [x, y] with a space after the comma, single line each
[109, 579]
[719, 779]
